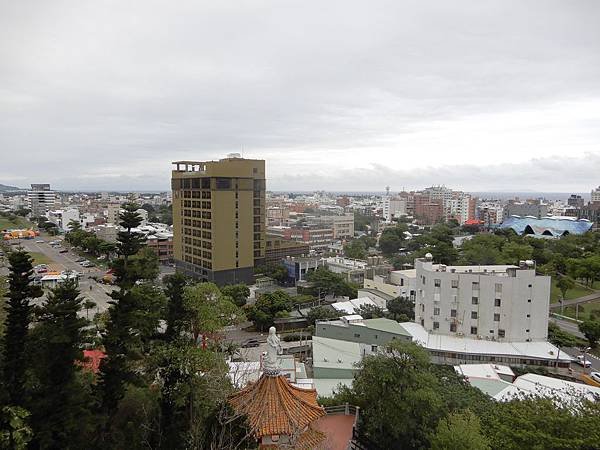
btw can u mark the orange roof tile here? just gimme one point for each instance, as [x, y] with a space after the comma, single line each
[273, 406]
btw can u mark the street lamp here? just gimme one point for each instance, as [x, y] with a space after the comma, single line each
[585, 350]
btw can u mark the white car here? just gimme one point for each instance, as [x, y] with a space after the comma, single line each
[40, 241]
[582, 362]
[595, 376]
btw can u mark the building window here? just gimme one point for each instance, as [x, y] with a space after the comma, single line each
[452, 313]
[436, 325]
[496, 317]
[528, 300]
[453, 327]
[527, 330]
[528, 316]
[501, 333]
[436, 311]
[498, 287]
[373, 348]
[437, 283]
[497, 302]
[473, 314]
[475, 285]
[356, 335]
[454, 283]
[473, 330]
[475, 300]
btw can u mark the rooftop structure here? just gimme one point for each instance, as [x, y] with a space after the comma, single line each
[464, 350]
[497, 382]
[279, 414]
[547, 227]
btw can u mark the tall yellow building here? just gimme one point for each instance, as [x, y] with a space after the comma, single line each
[219, 218]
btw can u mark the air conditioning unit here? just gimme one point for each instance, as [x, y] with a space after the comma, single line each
[460, 333]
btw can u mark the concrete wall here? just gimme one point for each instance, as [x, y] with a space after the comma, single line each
[522, 314]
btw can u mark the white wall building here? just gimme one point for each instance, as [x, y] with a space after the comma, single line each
[394, 207]
[61, 218]
[596, 195]
[40, 199]
[503, 303]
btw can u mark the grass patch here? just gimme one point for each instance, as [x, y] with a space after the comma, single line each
[18, 223]
[40, 258]
[586, 311]
[576, 292]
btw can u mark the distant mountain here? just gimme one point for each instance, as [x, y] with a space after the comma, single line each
[4, 188]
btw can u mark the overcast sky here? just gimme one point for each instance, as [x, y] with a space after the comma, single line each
[335, 95]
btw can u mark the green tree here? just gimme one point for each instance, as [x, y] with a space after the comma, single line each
[400, 405]
[389, 243]
[107, 248]
[321, 313]
[591, 331]
[122, 339]
[176, 314]
[565, 283]
[326, 282]
[18, 318]
[370, 312]
[355, 249]
[401, 309]
[561, 338]
[459, 431]
[59, 405]
[540, 423]
[238, 292]
[15, 432]
[193, 383]
[209, 310]
[267, 307]
[513, 252]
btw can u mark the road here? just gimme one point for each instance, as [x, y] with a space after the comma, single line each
[568, 326]
[575, 352]
[576, 301]
[90, 289]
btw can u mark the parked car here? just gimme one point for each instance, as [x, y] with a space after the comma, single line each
[250, 343]
[42, 270]
[63, 250]
[39, 241]
[80, 260]
[582, 362]
[595, 376]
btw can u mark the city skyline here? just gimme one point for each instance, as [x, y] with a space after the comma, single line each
[105, 96]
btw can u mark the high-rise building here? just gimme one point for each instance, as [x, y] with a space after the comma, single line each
[41, 199]
[219, 218]
[595, 195]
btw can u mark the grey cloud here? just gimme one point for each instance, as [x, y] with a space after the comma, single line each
[88, 86]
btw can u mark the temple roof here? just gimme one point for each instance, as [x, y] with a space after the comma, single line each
[275, 407]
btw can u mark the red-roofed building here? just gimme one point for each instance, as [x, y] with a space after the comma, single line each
[91, 360]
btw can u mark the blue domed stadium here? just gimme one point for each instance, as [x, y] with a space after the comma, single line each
[547, 227]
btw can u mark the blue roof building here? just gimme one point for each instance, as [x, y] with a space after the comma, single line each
[546, 227]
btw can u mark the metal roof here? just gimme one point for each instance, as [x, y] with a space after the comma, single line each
[548, 226]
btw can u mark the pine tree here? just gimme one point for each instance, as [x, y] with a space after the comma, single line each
[123, 337]
[59, 403]
[176, 313]
[18, 318]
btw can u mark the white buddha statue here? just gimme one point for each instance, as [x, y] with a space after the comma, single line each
[271, 363]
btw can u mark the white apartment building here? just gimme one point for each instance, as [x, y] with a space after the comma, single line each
[596, 195]
[61, 218]
[40, 199]
[497, 303]
[394, 207]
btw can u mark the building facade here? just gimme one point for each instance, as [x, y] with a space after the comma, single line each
[40, 199]
[219, 218]
[498, 303]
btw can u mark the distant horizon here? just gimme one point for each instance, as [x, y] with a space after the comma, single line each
[499, 194]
